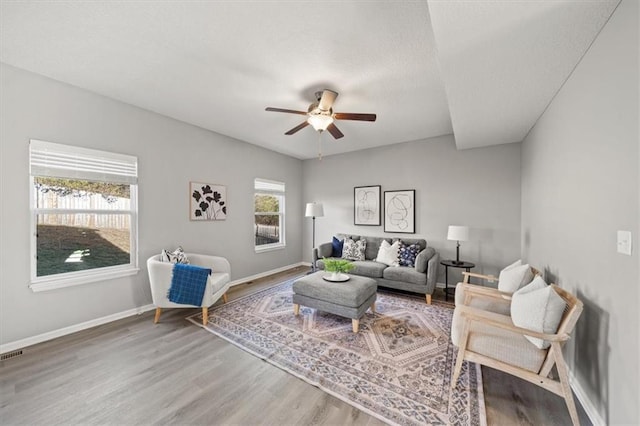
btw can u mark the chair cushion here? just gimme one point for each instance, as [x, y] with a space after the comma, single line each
[354, 250]
[514, 277]
[502, 345]
[539, 308]
[388, 253]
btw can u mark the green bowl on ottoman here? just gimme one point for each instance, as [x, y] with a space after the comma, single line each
[348, 299]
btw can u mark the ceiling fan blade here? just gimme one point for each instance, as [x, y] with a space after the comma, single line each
[291, 111]
[354, 116]
[335, 132]
[326, 101]
[298, 127]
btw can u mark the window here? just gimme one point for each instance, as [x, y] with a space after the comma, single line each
[84, 215]
[269, 214]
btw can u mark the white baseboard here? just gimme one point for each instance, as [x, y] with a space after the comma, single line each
[29, 341]
[267, 273]
[589, 407]
[23, 343]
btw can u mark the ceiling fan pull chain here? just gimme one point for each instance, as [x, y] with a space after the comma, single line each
[319, 146]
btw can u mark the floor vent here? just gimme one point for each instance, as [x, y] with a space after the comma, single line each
[9, 355]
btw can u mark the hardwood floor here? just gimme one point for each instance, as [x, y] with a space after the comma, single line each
[132, 371]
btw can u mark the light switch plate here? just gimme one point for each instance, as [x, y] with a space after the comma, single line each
[624, 242]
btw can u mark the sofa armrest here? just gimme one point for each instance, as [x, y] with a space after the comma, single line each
[432, 272]
[323, 250]
[427, 263]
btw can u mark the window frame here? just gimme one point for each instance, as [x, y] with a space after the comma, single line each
[281, 194]
[74, 278]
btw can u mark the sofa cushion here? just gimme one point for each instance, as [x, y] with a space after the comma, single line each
[368, 268]
[539, 308]
[354, 250]
[407, 254]
[404, 273]
[336, 247]
[388, 253]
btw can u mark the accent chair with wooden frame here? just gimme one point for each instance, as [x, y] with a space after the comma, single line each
[218, 283]
[491, 339]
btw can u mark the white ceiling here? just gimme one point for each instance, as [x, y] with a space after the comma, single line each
[491, 69]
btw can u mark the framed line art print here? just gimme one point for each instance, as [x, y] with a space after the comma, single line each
[400, 211]
[366, 205]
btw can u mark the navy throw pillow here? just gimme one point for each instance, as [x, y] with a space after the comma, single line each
[336, 249]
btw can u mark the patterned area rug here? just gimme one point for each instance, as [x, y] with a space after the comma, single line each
[397, 368]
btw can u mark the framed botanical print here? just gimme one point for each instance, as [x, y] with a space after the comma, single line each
[207, 201]
[366, 205]
[400, 211]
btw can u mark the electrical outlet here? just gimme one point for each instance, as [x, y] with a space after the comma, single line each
[624, 242]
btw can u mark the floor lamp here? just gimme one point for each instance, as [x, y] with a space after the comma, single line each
[314, 210]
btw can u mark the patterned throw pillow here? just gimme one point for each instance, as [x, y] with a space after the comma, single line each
[353, 250]
[176, 256]
[407, 254]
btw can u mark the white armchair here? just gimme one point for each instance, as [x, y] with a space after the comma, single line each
[218, 283]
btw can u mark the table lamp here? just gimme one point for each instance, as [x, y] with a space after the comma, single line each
[458, 233]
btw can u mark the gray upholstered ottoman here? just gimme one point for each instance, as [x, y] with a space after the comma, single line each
[348, 299]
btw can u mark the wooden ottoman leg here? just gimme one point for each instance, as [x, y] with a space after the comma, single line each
[355, 324]
[373, 307]
[157, 317]
[296, 309]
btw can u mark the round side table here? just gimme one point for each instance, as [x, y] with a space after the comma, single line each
[453, 264]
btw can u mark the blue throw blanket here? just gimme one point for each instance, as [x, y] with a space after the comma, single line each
[188, 283]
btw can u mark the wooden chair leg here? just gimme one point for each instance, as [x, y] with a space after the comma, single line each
[564, 382]
[296, 309]
[205, 315]
[461, 349]
[156, 319]
[355, 324]
[428, 297]
[224, 298]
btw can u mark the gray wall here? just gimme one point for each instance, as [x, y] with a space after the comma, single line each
[477, 187]
[170, 154]
[579, 186]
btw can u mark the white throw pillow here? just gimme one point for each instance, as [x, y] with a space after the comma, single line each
[539, 308]
[354, 250]
[514, 276]
[388, 253]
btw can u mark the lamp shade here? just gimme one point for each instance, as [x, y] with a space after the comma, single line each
[458, 233]
[314, 210]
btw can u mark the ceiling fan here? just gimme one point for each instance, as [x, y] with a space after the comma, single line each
[321, 116]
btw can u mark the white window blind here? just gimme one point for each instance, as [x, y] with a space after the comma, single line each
[65, 161]
[263, 185]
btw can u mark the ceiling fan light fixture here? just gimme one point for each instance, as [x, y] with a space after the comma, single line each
[320, 122]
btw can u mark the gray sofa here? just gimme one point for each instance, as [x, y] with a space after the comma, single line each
[419, 279]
